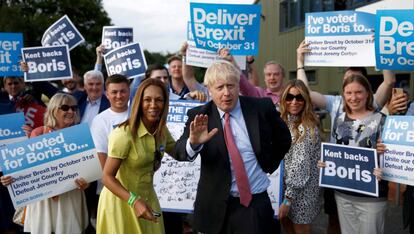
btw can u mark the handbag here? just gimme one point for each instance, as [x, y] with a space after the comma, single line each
[19, 216]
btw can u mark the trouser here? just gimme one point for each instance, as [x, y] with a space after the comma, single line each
[360, 214]
[257, 218]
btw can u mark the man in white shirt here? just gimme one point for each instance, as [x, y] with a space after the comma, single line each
[117, 92]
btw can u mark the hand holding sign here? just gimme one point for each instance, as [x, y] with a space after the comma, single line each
[6, 180]
[47, 63]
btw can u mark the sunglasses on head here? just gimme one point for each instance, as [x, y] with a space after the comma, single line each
[290, 97]
[67, 107]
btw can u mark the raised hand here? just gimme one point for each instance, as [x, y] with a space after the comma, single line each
[199, 132]
[183, 49]
[198, 95]
[302, 49]
[398, 103]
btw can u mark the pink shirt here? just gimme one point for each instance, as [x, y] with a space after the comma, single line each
[247, 89]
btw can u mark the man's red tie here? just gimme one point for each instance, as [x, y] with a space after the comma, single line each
[238, 166]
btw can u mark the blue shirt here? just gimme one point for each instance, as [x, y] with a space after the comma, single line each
[91, 110]
[257, 177]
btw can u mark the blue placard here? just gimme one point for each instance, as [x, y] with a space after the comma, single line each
[177, 110]
[11, 128]
[114, 37]
[349, 168]
[340, 38]
[10, 47]
[339, 23]
[126, 60]
[47, 63]
[62, 32]
[235, 27]
[45, 148]
[398, 130]
[394, 43]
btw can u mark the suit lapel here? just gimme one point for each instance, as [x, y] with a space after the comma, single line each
[215, 122]
[252, 123]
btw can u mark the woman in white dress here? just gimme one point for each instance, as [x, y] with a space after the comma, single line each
[65, 213]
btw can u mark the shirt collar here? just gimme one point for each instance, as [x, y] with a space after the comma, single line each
[236, 112]
[97, 101]
[142, 130]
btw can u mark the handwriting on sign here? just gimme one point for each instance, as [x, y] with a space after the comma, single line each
[177, 181]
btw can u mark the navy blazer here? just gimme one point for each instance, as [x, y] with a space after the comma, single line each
[82, 97]
[270, 139]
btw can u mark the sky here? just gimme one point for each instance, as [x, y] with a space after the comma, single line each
[159, 25]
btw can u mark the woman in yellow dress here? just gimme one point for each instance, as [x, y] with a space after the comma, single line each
[128, 203]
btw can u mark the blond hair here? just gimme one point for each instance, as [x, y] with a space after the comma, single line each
[306, 117]
[55, 102]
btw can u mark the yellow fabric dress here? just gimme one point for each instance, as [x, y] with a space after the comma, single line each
[136, 175]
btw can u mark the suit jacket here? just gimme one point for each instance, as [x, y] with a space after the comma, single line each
[82, 98]
[270, 139]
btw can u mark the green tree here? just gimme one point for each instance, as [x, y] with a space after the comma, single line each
[33, 17]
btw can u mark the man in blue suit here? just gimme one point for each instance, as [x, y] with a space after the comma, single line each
[92, 101]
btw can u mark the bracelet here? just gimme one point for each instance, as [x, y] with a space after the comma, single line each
[286, 202]
[297, 69]
[184, 59]
[132, 198]
[251, 61]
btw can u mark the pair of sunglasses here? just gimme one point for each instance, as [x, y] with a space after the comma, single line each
[290, 97]
[157, 160]
[67, 107]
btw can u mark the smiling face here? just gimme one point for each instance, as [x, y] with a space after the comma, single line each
[355, 96]
[294, 101]
[225, 93]
[273, 77]
[118, 96]
[152, 103]
[65, 117]
[14, 86]
[175, 67]
[94, 88]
